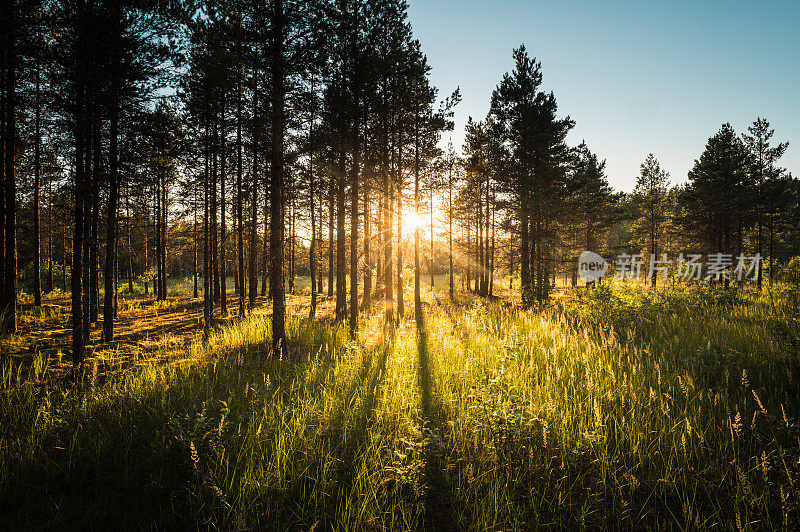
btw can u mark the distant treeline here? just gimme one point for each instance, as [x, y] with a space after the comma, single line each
[266, 139]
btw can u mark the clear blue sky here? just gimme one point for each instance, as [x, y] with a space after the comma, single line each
[637, 77]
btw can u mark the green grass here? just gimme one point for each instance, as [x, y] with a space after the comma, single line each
[620, 408]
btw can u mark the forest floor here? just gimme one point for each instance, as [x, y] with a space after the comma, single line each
[146, 332]
[621, 407]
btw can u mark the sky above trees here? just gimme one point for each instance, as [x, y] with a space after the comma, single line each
[636, 77]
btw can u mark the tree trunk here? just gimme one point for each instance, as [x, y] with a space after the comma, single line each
[450, 227]
[8, 305]
[214, 220]
[164, 235]
[277, 183]
[488, 226]
[292, 241]
[146, 226]
[223, 235]
[381, 232]
[319, 238]
[467, 254]
[265, 245]
[365, 300]
[194, 248]
[491, 263]
[64, 256]
[331, 207]
[355, 170]
[50, 235]
[478, 252]
[157, 230]
[94, 255]
[417, 295]
[771, 249]
[87, 213]
[312, 248]
[431, 261]
[525, 269]
[388, 225]
[111, 220]
[235, 232]
[4, 36]
[129, 223]
[399, 208]
[253, 274]
[37, 165]
[399, 280]
[341, 264]
[759, 242]
[239, 207]
[116, 278]
[208, 296]
[511, 261]
[77, 239]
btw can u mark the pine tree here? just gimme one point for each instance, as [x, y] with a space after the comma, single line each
[715, 201]
[591, 206]
[763, 174]
[525, 119]
[650, 196]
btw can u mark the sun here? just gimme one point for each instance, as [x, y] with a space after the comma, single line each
[411, 221]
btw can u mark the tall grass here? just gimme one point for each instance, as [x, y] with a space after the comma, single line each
[622, 409]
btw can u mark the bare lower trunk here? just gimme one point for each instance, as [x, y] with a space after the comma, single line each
[239, 206]
[367, 256]
[312, 248]
[194, 250]
[214, 265]
[77, 240]
[399, 207]
[468, 254]
[253, 253]
[223, 235]
[8, 284]
[341, 265]
[417, 295]
[277, 184]
[208, 296]
[37, 287]
[388, 282]
[450, 228]
[431, 261]
[292, 242]
[265, 244]
[111, 222]
[319, 237]
[491, 263]
[94, 256]
[331, 207]
[353, 323]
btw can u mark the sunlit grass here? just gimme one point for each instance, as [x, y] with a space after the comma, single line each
[644, 409]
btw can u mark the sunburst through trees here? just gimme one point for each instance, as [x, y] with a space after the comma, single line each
[250, 278]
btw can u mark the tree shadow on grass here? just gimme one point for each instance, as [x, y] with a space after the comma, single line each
[144, 451]
[351, 439]
[438, 498]
[139, 335]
